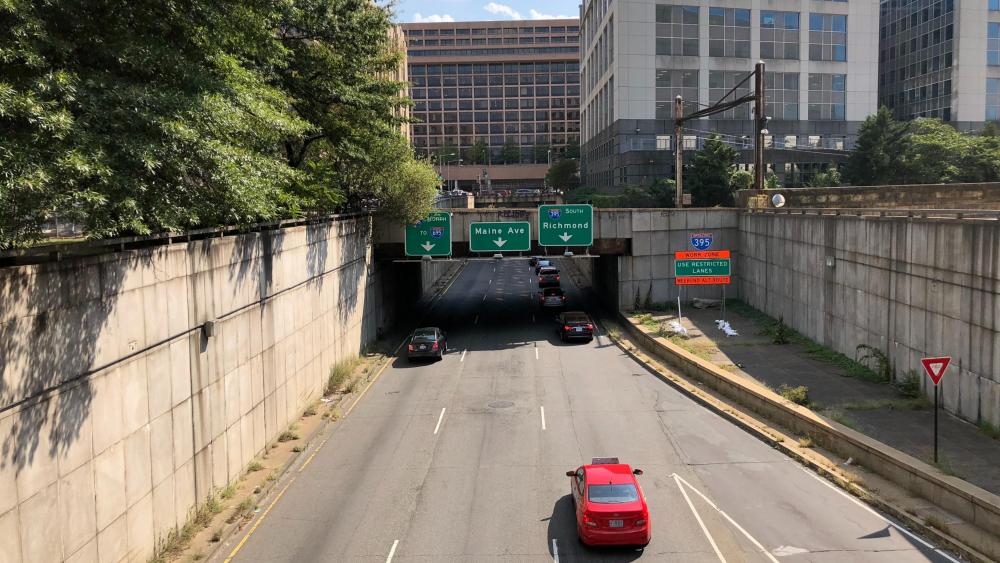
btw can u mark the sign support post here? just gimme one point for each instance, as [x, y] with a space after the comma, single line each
[935, 368]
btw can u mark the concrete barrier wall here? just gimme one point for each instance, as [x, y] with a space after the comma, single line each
[914, 196]
[910, 287]
[119, 413]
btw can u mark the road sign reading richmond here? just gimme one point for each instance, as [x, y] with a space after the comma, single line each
[708, 267]
[565, 225]
[500, 237]
[430, 237]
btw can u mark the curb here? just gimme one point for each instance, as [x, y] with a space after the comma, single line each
[714, 404]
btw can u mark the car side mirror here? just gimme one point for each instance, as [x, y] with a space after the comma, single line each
[637, 471]
[571, 473]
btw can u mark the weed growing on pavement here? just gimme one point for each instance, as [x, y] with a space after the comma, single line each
[614, 333]
[916, 404]
[779, 331]
[908, 385]
[875, 360]
[989, 430]
[339, 374]
[806, 442]
[351, 386]
[216, 535]
[229, 491]
[288, 436]
[243, 510]
[297, 449]
[935, 522]
[839, 416]
[254, 466]
[310, 411]
[798, 395]
[273, 476]
[946, 467]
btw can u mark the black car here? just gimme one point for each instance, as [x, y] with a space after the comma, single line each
[548, 277]
[575, 324]
[551, 298]
[427, 342]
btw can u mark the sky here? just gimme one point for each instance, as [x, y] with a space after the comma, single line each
[474, 10]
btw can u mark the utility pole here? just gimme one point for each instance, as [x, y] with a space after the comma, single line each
[759, 120]
[679, 150]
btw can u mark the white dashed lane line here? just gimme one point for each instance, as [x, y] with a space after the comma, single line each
[440, 419]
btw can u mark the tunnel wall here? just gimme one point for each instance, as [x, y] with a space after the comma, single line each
[119, 414]
[912, 288]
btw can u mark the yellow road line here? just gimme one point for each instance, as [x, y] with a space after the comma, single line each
[259, 520]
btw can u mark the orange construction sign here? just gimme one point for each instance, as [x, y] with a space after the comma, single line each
[700, 254]
[702, 280]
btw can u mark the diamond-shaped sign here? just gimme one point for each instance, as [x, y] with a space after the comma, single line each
[935, 367]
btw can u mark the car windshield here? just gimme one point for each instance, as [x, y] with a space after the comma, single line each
[544, 262]
[612, 494]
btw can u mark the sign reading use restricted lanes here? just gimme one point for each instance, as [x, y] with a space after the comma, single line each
[704, 267]
[430, 237]
[500, 237]
[565, 225]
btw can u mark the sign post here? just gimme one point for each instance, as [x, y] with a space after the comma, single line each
[565, 225]
[430, 237]
[500, 237]
[935, 368]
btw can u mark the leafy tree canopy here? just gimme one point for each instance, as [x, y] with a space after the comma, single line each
[875, 159]
[708, 178]
[563, 175]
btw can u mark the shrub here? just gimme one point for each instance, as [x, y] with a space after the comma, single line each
[908, 385]
[340, 373]
[254, 466]
[798, 395]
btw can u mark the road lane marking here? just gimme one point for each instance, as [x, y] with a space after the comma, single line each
[726, 516]
[555, 551]
[879, 516]
[543, 417]
[697, 517]
[475, 322]
[392, 551]
[440, 418]
[532, 317]
[462, 359]
[491, 281]
[536, 351]
[259, 520]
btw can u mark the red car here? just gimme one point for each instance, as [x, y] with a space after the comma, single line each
[610, 506]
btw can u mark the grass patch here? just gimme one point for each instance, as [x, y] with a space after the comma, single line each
[273, 476]
[229, 491]
[351, 386]
[614, 333]
[297, 449]
[216, 536]
[946, 467]
[806, 442]
[340, 372]
[243, 510]
[841, 417]
[254, 466]
[989, 430]
[908, 385]
[310, 411]
[288, 436]
[935, 522]
[919, 403]
[798, 395]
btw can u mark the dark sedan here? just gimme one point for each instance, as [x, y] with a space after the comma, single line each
[575, 324]
[428, 342]
[548, 277]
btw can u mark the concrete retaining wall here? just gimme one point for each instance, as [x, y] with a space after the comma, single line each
[911, 287]
[914, 196]
[119, 413]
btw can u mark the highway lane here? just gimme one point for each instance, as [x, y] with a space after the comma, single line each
[450, 461]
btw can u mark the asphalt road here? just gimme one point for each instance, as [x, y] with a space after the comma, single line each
[465, 459]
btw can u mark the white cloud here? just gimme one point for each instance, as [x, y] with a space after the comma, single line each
[433, 18]
[536, 15]
[503, 9]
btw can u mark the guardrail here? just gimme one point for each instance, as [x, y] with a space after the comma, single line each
[880, 212]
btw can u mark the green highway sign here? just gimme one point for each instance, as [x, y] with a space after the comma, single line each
[704, 267]
[565, 225]
[685, 268]
[430, 237]
[500, 237]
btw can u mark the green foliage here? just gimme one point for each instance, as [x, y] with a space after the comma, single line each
[139, 117]
[827, 178]
[876, 158]
[477, 153]
[659, 195]
[908, 385]
[798, 395]
[778, 331]
[563, 175]
[875, 360]
[572, 149]
[741, 180]
[511, 152]
[708, 176]
[771, 181]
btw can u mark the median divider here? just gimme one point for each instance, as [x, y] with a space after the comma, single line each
[978, 508]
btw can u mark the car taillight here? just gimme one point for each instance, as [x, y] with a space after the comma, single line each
[435, 346]
[557, 278]
[563, 297]
[410, 348]
[567, 328]
[588, 520]
[590, 326]
[640, 522]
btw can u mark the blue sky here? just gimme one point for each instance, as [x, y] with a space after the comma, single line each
[474, 10]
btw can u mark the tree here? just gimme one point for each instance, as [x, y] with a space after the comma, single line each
[771, 181]
[936, 153]
[572, 149]
[477, 153]
[741, 180]
[876, 158]
[827, 178]
[511, 152]
[708, 177]
[540, 152]
[563, 175]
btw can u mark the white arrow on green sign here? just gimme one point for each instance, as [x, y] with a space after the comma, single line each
[566, 225]
[430, 237]
[512, 236]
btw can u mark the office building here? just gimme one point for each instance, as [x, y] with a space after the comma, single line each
[512, 85]
[401, 74]
[941, 58]
[821, 60]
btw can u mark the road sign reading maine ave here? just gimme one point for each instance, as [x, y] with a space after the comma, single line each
[500, 237]
[707, 267]
[565, 225]
[430, 237]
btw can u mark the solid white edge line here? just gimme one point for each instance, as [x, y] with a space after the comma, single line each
[440, 418]
[392, 551]
[475, 322]
[697, 517]
[536, 352]
[726, 516]
[555, 551]
[543, 417]
[879, 516]
[462, 359]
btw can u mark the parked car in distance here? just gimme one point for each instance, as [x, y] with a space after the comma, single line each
[548, 277]
[575, 324]
[610, 506]
[427, 342]
[552, 298]
[542, 263]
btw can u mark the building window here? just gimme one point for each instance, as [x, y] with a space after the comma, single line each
[728, 32]
[993, 99]
[779, 35]
[827, 96]
[995, 5]
[782, 90]
[720, 82]
[827, 37]
[677, 30]
[993, 44]
[663, 142]
[673, 83]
